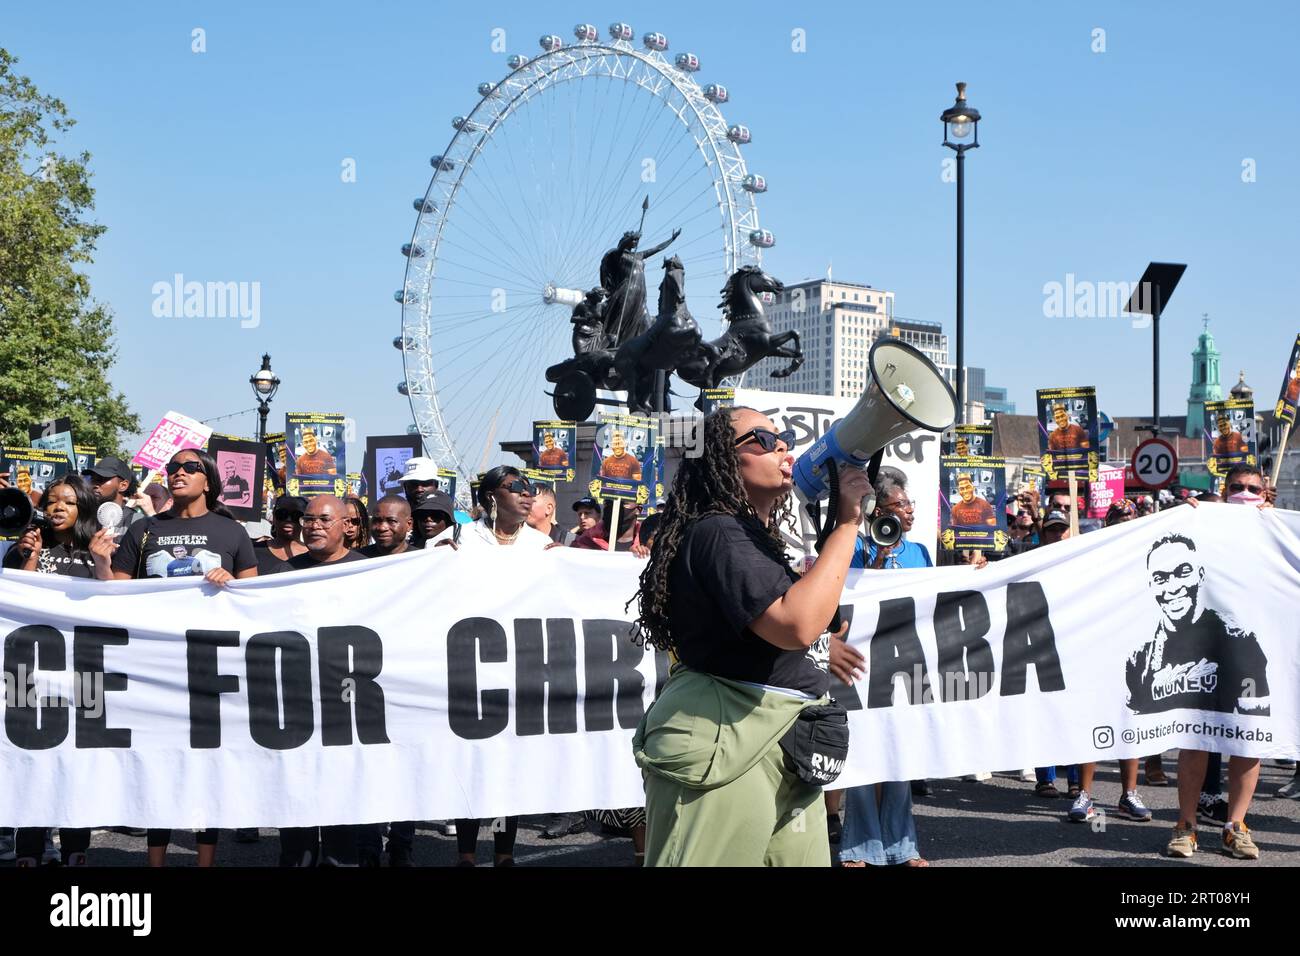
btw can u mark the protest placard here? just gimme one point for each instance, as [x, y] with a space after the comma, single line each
[241, 464]
[972, 503]
[176, 432]
[1068, 432]
[1229, 435]
[317, 454]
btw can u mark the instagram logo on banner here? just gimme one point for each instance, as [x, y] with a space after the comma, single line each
[1103, 738]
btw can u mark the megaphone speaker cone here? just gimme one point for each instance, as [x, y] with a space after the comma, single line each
[16, 510]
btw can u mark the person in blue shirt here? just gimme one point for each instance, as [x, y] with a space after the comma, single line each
[879, 829]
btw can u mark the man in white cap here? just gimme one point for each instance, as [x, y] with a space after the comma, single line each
[420, 479]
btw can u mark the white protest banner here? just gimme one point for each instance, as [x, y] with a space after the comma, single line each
[174, 433]
[446, 684]
[811, 416]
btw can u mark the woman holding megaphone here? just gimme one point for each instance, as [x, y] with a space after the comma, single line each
[736, 748]
[63, 539]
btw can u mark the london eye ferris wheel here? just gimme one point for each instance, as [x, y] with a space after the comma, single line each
[543, 175]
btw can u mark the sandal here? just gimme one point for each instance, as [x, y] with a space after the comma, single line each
[1047, 790]
[1075, 790]
[918, 863]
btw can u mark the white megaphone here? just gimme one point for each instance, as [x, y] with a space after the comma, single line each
[905, 392]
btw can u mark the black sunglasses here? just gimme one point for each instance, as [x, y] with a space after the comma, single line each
[284, 514]
[1238, 486]
[189, 467]
[519, 486]
[767, 438]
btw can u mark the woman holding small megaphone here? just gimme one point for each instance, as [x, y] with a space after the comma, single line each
[739, 743]
[64, 538]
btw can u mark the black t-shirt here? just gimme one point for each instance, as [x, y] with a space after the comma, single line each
[180, 547]
[722, 578]
[304, 562]
[56, 559]
[373, 551]
[1207, 665]
[266, 559]
[234, 488]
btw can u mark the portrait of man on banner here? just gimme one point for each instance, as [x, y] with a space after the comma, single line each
[1199, 658]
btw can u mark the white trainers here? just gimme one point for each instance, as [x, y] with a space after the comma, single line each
[1028, 776]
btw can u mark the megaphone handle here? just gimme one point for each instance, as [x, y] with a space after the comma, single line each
[873, 466]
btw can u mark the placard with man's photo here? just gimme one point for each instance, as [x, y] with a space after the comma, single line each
[1229, 435]
[968, 440]
[317, 454]
[31, 469]
[623, 459]
[555, 448]
[241, 466]
[1068, 432]
[385, 462]
[972, 503]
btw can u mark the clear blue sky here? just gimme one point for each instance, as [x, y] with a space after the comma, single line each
[226, 166]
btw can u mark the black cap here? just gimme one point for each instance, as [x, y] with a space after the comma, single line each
[435, 501]
[1056, 518]
[591, 503]
[291, 502]
[110, 467]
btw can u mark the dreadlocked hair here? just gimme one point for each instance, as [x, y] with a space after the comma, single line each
[708, 484]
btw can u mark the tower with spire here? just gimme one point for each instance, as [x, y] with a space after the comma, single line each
[1205, 380]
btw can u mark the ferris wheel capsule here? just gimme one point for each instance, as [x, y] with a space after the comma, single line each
[655, 41]
[486, 89]
[404, 297]
[716, 93]
[687, 62]
[754, 183]
[551, 43]
[739, 135]
[516, 61]
[411, 251]
[762, 238]
[402, 389]
[441, 163]
[586, 33]
[621, 31]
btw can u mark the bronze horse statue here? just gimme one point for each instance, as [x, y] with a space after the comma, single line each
[673, 342]
[748, 338]
[674, 334]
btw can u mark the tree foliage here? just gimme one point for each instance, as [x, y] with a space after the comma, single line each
[56, 342]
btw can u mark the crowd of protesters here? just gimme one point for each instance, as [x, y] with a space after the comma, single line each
[180, 528]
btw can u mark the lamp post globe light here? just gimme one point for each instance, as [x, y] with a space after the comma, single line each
[265, 384]
[961, 132]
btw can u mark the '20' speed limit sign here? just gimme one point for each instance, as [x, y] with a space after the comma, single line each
[1155, 463]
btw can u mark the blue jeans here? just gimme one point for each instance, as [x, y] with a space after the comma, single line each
[1048, 774]
[880, 835]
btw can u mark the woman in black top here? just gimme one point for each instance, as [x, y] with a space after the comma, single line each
[750, 636]
[196, 536]
[356, 534]
[71, 544]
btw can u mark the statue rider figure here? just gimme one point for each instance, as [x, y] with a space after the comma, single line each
[588, 320]
[622, 275]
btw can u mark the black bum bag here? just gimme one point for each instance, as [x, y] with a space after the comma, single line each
[817, 743]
